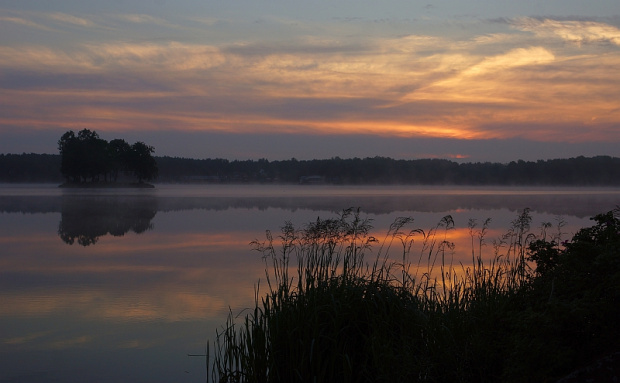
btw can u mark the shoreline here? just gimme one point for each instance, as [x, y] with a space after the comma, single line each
[106, 185]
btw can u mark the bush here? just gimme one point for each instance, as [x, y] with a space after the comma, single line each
[573, 302]
[329, 315]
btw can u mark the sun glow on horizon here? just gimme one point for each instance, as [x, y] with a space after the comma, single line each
[541, 79]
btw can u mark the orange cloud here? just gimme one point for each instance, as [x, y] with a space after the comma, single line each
[570, 30]
[500, 85]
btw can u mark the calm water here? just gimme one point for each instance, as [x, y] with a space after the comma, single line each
[121, 285]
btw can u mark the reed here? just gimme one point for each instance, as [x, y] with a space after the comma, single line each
[337, 310]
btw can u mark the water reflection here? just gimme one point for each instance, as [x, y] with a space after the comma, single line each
[578, 202]
[168, 264]
[85, 218]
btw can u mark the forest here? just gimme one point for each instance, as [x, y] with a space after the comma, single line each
[578, 171]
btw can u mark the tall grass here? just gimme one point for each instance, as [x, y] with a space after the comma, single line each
[341, 305]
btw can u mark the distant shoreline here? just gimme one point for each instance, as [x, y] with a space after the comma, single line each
[579, 171]
[111, 185]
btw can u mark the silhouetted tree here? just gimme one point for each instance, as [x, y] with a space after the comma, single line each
[30, 167]
[582, 171]
[118, 151]
[83, 156]
[87, 157]
[70, 156]
[141, 163]
[94, 154]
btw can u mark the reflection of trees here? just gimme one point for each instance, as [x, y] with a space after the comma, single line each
[578, 204]
[86, 218]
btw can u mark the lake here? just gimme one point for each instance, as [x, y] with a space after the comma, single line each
[121, 285]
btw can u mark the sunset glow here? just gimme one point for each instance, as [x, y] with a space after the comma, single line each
[413, 75]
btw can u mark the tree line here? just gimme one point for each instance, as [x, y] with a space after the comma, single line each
[599, 170]
[86, 157]
[581, 171]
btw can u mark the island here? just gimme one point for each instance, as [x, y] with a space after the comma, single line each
[89, 161]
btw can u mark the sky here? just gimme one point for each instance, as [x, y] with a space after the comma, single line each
[470, 81]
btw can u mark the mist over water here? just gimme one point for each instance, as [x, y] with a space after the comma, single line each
[120, 285]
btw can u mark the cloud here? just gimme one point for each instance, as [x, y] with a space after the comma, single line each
[493, 85]
[492, 80]
[496, 38]
[574, 31]
[25, 22]
[142, 19]
[69, 19]
[209, 21]
[111, 56]
[169, 57]
[514, 58]
[39, 58]
[147, 20]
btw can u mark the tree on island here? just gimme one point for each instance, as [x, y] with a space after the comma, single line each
[141, 163]
[86, 157]
[118, 152]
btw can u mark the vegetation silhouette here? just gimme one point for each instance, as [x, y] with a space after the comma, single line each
[84, 219]
[578, 171]
[535, 311]
[599, 170]
[86, 157]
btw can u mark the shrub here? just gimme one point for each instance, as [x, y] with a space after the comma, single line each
[330, 315]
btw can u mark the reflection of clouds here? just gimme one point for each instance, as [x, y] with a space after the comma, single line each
[165, 302]
[175, 284]
[167, 307]
[166, 277]
[49, 340]
[63, 344]
[179, 298]
[184, 242]
[25, 339]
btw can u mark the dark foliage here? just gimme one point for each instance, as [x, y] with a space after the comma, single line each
[601, 170]
[580, 171]
[86, 157]
[574, 302]
[503, 321]
[30, 168]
